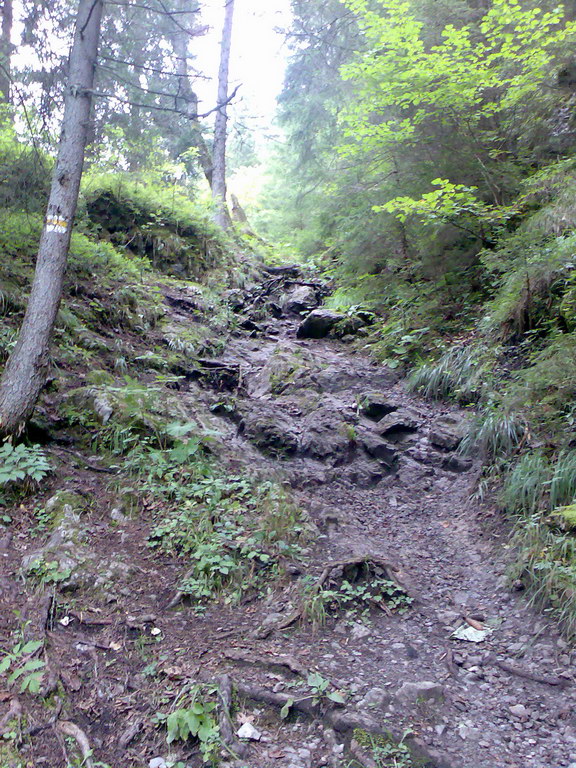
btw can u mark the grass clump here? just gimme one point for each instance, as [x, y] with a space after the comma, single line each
[495, 434]
[541, 493]
[526, 486]
[462, 373]
[546, 565]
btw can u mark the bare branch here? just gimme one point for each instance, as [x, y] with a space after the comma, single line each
[158, 108]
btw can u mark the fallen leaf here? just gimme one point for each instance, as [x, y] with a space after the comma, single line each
[473, 623]
[471, 634]
[276, 754]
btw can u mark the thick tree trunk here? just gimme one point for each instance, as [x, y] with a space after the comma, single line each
[221, 124]
[26, 370]
[6, 51]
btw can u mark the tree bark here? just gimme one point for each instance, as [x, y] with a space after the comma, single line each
[6, 50]
[190, 99]
[27, 367]
[221, 124]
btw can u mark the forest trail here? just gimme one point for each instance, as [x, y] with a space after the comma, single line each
[378, 473]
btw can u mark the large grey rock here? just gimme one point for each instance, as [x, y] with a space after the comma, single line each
[424, 690]
[326, 435]
[447, 431]
[270, 430]
[347, 327]
[318, 324]
[300, 299]
[375, 698]
[399, 421]
[376, 405]
[378, 448]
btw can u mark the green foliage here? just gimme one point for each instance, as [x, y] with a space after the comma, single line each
[22, 463]
[385, 752]
[48, 572]
[24, 172]
[495, 434]
[232, 530]
[461, 373]
[155, 220]
[18, 665]
[195, 720]
[526, 486]
[547, 565]
[356, 598]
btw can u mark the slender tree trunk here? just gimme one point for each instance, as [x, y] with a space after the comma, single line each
[220, 127]
[190, 99]
[26, 370]
[6, 51]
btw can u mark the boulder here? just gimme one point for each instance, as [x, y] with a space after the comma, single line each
[326, 435]
[446, 432]
[348, 326]
[300, 299]
[318, 324]
[270, 431]
[378, 448]
[376, 405]
[425, 690]
[399, 423]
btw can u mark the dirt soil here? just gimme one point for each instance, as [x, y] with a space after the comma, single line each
[117, 655]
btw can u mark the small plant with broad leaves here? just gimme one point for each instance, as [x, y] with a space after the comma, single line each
[20, 463]
[195, 720]
[319, 687]
[19, 666]
[48, 571]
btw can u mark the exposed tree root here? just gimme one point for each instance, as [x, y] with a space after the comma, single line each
[67, 728]
[341, 720]
[343, 565]
[225, 720]
[14, 713]
[274, 662]
[512, 669]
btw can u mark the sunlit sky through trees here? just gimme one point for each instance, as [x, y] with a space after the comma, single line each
[258, 54]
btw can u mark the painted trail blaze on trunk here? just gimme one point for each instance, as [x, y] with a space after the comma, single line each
[27, 367]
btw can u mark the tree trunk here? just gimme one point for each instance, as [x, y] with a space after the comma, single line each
[220, 127]
[27, 367]
[6, 51]
[188, 96]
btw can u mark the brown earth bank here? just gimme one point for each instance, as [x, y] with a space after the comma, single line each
[385, 634]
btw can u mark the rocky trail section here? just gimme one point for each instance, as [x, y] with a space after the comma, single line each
[451, 658]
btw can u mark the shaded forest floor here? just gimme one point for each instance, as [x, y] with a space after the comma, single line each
[330, 628]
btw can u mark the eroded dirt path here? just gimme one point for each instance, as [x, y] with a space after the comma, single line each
[377, 471]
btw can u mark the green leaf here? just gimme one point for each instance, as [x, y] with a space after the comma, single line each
[285, 711]
[338, 698]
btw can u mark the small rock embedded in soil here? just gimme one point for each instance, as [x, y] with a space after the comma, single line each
[157, 762]
[425, 690]
[519, 710]
[247, 731]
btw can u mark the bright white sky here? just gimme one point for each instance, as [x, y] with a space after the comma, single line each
[258, 58]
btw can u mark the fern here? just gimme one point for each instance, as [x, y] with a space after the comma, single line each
[19, 463]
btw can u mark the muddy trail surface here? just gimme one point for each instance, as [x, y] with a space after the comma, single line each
[394, 622]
